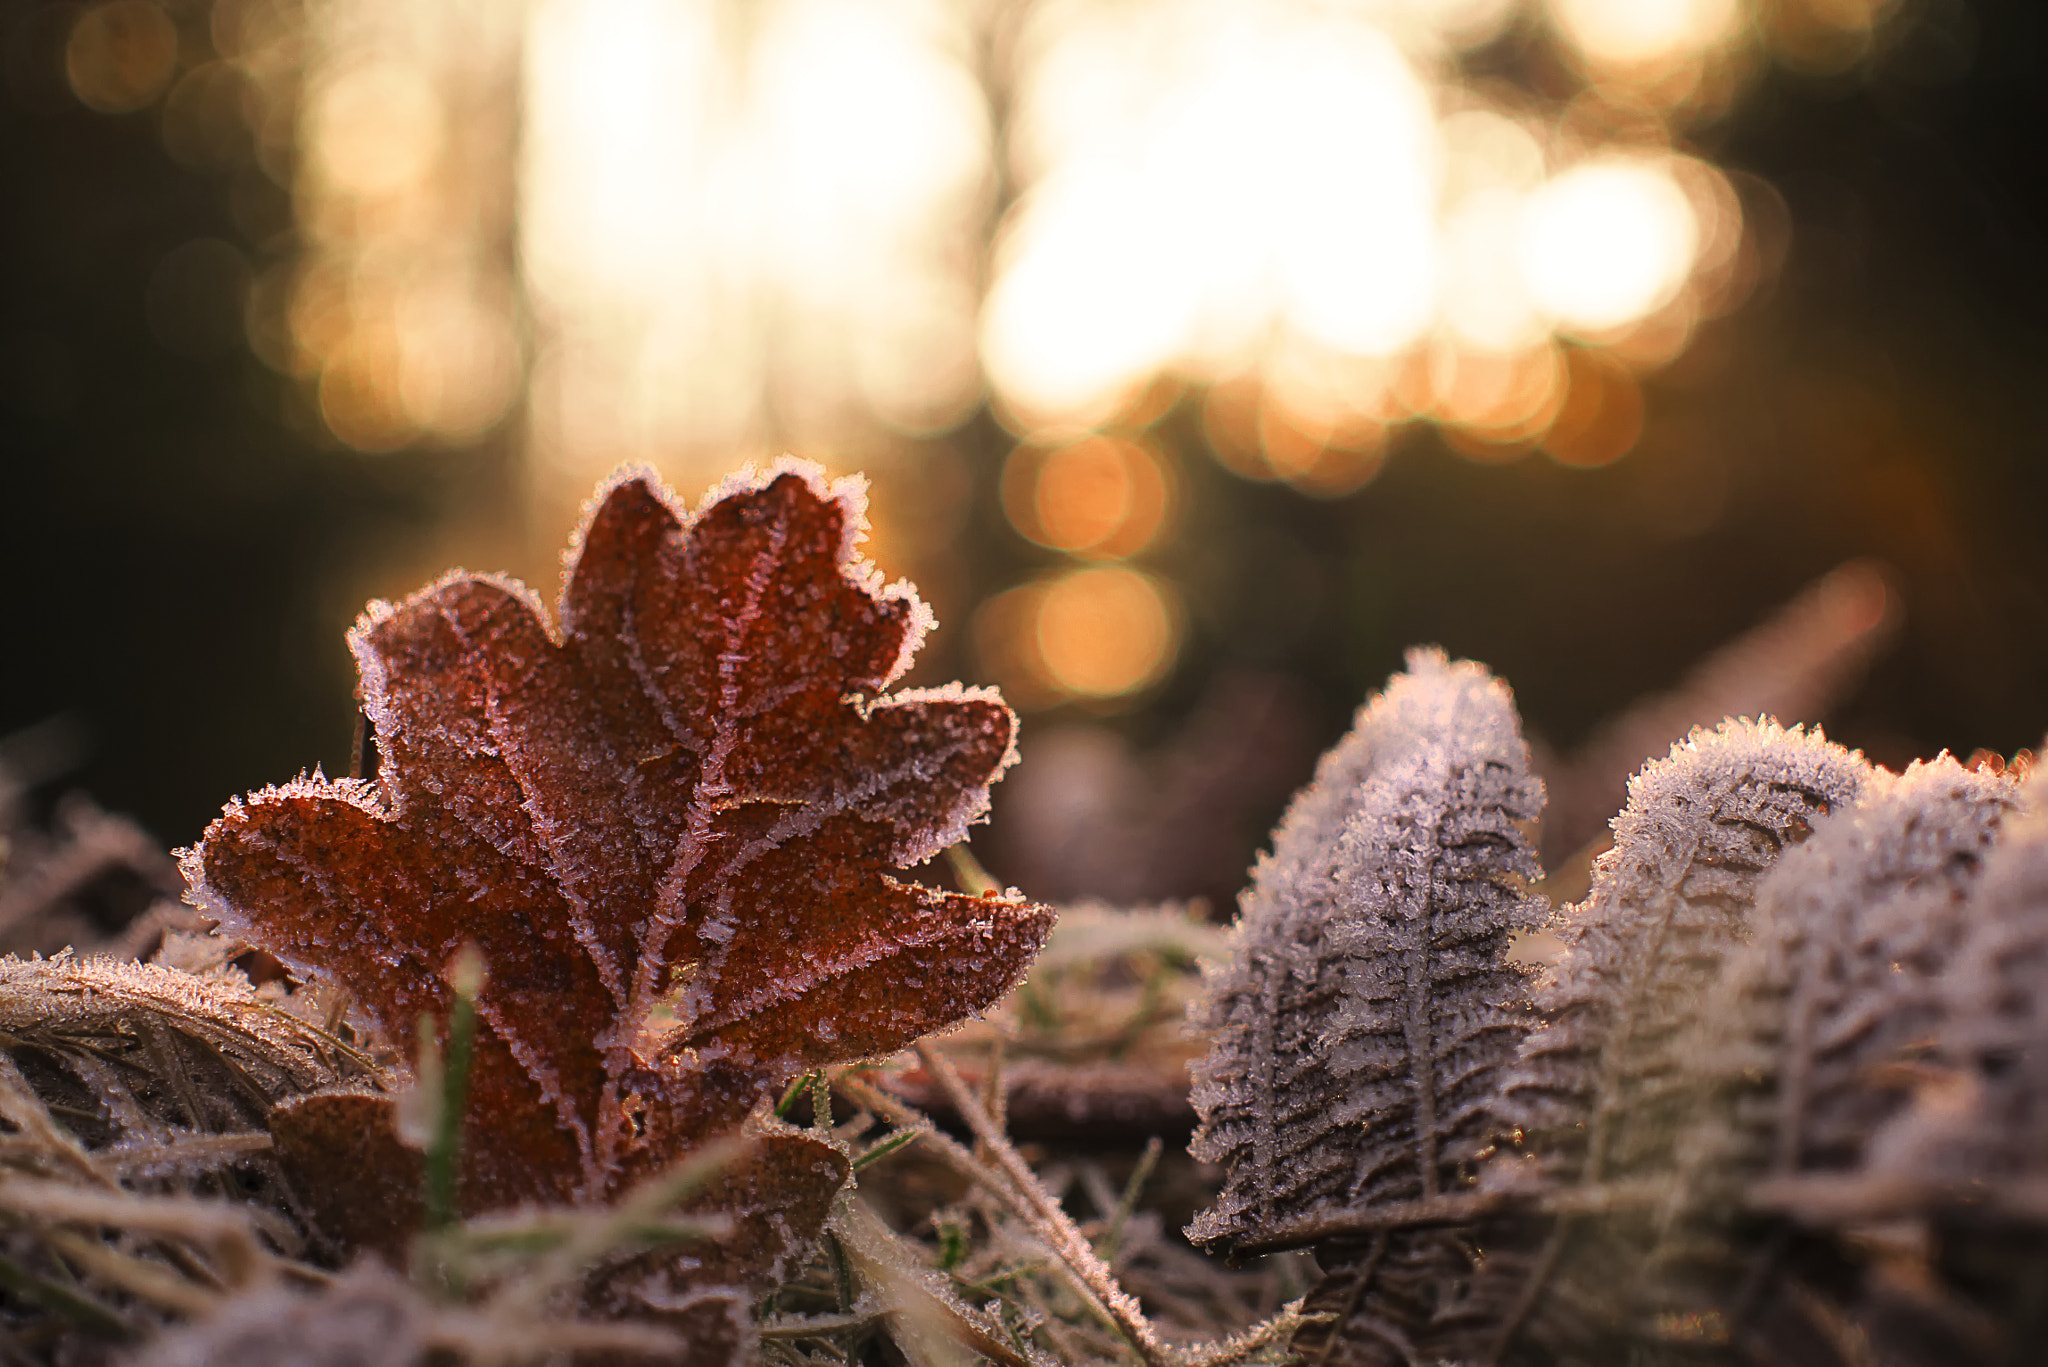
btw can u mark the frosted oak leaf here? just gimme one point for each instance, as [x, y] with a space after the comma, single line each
[671, 825]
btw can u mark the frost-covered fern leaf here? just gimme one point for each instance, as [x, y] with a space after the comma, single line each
[1982, 1125]
[1668, 903]
[1809, 1034]
[1956, 1183]
[1601, 1091]
[1361, 1022]
[146, 1065]
[1813, 1038]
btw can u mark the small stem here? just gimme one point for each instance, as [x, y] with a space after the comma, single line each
[1054, 1225]
[444, 1153]
[796, 1088]
[842, 1285]
[973, 879]
[882, 1148]
[995, 1091]
[949, 1151]
[149, 1281]
[74, 1305]
[821, 1102]
[1128, 1204]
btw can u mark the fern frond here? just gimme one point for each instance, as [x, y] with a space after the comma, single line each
[1812, 1032]
[1367, 1006]
[1602, 1091]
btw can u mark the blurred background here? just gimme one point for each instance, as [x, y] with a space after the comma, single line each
[1203, 355]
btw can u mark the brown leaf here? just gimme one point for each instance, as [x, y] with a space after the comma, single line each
[776, 1194]
[670, 828]
[362, 1181]
[773, 1194]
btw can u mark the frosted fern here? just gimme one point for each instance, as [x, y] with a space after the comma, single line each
[159, 1075]
[1840, 985]
[1812, 1040]
[1603, 1089]
[1984, 1124]
[1366, 1008]
[1668, 903]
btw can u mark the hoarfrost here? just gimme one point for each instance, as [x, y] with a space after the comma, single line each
[684, 807]
[1366, 1008]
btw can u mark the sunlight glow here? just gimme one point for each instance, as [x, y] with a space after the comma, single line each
[1607, 243]
[375, 129]
[697, 231]
[693, 232]
[1268, 167]
[399, 314]
[745, 232]
[1100, 497]
[1302, 209]
[1626, 33]
[1105, 631]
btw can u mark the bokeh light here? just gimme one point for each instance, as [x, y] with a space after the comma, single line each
[121, 55]
[1096, 634]
[401, 312]
[683, 231]
[1308, 213]
[1200, 176]
[1646, 33]
[1606, 243]
[1105, 631]
[374, 129]
[1101, 497]
[1601, 414]
[744, 233]
[672, 227]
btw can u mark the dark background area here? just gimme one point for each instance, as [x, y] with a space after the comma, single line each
[175, 545]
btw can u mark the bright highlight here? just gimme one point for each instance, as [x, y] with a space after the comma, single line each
[1607, 243]
[1104, 632]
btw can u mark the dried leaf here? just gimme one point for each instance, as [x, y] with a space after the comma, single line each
[362, 1183]
[671, 830]
[132, 1103]
[369, 1318]
[1367, 1009]
[140, 1058]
